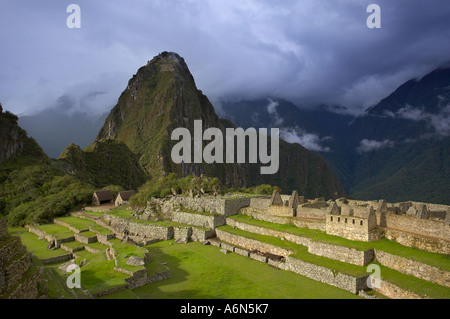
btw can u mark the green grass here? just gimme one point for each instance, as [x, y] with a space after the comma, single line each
[420, 286]
[301, 252]
[199, 271]
[73, 244]
[60, 232]
[98, 246]
[123, 250]
[88, 234]
[35, 245]
[92, 213]
[101, 230]
[441, 261]
[77, 223]
[98, 274]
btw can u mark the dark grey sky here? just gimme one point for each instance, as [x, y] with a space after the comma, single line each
[307, 51]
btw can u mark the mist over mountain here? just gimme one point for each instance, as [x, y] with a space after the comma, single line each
[397, 150]
[163, 96]
[55, 128]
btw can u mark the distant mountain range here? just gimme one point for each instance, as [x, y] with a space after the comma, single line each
[398, 149]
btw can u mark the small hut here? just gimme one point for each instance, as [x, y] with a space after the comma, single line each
[123, 197]
[102, 197]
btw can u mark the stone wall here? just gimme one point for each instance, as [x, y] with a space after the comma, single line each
[16, 269]
[75, 230]
[433, 245]
[344, 254]
[3, 228]
[313, 213]
[395, 292]
[10, 248]
[84, 239]
[20, 276]
[268, 232]
[40, 233]
[202, 235]
[226, 206]
[414, 268]
[350, 227]
[424, 227]
[308, 224]
[57, 259]
[261, 203]
[198, 219]
[281, 211]
[251, 244]
[149, 231]
[29, 286]
[257, 214]
[322, 274]
[182, 234]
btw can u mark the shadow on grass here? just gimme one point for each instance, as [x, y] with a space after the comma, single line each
[177, 275]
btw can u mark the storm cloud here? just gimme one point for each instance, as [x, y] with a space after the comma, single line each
[306, 51]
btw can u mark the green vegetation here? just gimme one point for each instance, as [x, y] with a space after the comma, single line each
[105, 162]
[124, 213]
[420, 286]
[77, 223]
[438, 260]
[38, 193]
[160, 187]
[34, 245]
[196, 271]
[300, 252]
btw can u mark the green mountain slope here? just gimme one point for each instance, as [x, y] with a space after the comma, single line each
[32, 187]
[162, 96]
[105, 162]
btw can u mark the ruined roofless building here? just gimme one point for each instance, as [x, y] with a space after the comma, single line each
[352, 222]
[288, 208]
[102, 197]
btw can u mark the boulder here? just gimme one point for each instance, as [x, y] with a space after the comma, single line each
[64, 267]
[135, 261]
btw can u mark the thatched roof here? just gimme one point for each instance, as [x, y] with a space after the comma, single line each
[126, 194]
[104, 195]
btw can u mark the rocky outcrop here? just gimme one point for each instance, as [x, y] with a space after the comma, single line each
[21, 277]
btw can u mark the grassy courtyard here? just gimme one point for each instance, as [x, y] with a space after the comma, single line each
[199, 271]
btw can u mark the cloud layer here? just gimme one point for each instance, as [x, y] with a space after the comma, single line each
[306, 51]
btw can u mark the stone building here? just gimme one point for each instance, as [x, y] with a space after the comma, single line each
[123, 197]
[352, 222]
[287, 208]
[102, 197]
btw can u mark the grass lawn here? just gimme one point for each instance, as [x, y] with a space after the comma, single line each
[99, 229]
[199, 271]
[301, 252]
[60, 232]
[438, 260]
[422, 287]
[35, 245]
[77, 223]
[88, 234]
[98, 274]
[122, 250]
